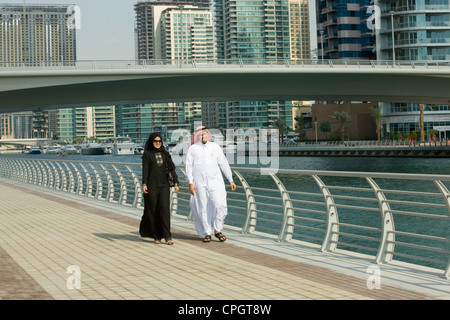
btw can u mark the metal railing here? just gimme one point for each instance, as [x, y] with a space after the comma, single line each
[333, 209]
[217, 63]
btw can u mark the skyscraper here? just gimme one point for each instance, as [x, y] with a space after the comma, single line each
[342, 30]
[147, 24]
[37, 34]
[418, 32]
[252, 30]
[299, 29]
[187, 33]
[421, 30]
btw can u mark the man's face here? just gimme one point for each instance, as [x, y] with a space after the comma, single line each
[204, 136]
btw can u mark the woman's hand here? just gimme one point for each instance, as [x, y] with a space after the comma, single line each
[176, 188]
[144, 189]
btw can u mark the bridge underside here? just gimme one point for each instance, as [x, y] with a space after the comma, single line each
[59, 89]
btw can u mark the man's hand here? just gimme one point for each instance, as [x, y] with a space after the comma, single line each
[192, 189]
[233, 186]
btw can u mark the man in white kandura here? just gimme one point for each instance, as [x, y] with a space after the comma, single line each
[204, 162]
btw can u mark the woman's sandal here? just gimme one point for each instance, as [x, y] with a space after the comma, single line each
[207, 238]
[157, 241]
[170, 242]
[220, 236]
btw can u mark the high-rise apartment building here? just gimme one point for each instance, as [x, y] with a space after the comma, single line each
[37, 34]
[187, 33]
[343, 31]
[147, 24]
[421, 30]
[86, 122]
[252, 30]
[299, 29]
[139, 120]
[420, 34]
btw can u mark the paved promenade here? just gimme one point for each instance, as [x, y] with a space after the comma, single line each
[44, 232]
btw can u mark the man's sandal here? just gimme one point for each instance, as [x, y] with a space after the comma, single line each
[207, 238]
[220, 236]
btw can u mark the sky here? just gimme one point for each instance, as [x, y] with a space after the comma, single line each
[106, 30]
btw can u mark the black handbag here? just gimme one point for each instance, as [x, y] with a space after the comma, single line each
[170, 178]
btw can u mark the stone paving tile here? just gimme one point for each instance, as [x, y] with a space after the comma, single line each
[42, 236]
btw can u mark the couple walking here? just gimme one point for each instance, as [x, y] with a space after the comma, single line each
[205, 161]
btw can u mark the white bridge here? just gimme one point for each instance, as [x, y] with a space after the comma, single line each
[82, 83]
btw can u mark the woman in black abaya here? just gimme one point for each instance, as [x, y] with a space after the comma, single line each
[155, 222]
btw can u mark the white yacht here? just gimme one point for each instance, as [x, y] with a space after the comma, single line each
[35, 150]
[69, 149]
[92, 148]
[123, 146]
[55, 149]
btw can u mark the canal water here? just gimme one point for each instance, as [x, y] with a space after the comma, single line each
[435, 227]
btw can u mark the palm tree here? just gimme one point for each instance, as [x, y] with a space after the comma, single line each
[421, 124]
[280, 124]
[342, 117]
[376, 116]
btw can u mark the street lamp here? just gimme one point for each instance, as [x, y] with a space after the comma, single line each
[181, 30]
[315, 125]
[321, 41]
[393, 39]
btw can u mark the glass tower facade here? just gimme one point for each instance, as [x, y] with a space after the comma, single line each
[252, 29]
[420, 34]
[342, 30]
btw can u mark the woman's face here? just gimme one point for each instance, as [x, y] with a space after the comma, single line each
[157, 142]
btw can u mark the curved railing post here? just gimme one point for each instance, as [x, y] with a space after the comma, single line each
[446, 194]
[57, 180]
[99, 184]
[47, 177]
[79, 189]
[110, 185]
[63, 177]
[251, 218]
[387, 245]
[123, 187]
[331, 237]
[287, 227]
[137, 186]
[88, 192]
[36, 174]
[71, 187]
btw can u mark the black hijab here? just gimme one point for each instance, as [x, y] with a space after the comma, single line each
[149, 147]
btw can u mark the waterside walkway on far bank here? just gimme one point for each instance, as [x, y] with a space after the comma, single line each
[48, 238]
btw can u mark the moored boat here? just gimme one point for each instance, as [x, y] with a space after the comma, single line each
[123, 146]
[92, 148]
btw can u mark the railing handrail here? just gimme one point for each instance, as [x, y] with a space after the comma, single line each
[208, 63]
[277, 209]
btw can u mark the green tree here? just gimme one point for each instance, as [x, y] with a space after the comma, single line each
[280, 124]
[342, 117]
[376, 116]
[325, 126]
[300, 125]
[433, 133]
